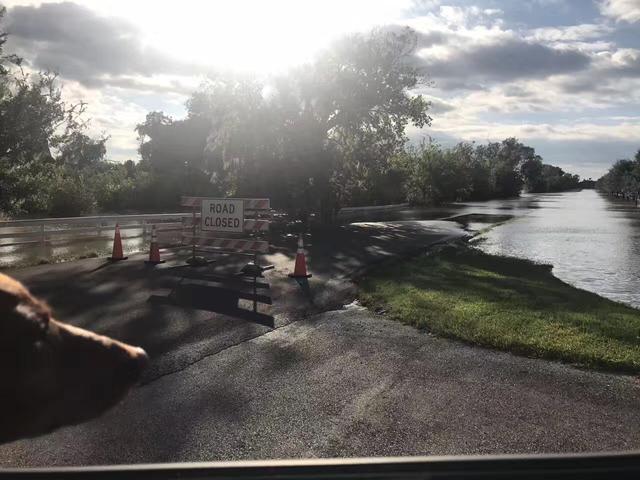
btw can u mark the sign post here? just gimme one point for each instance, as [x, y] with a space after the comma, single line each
[195, 226]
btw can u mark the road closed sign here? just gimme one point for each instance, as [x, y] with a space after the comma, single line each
[222, 215]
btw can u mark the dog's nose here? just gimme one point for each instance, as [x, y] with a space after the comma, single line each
[140, 358]
[135, 362]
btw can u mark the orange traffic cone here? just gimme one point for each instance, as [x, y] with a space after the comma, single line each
[154, 250]
[117, 247]
[300, 269]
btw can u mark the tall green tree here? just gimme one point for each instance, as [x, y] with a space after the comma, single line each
[623, 178]
[320, 134]
[436, 175]
[532, 173]
[42, 144]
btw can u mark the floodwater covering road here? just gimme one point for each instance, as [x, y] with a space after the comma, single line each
[592, 241]
[66, 247]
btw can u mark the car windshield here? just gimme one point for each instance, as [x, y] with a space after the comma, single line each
[250, 230]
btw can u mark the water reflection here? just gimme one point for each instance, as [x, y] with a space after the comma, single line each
[591, 240]
[65, 248]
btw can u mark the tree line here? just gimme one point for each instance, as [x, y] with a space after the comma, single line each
[328, 134]
[432, 174]
[622, 179]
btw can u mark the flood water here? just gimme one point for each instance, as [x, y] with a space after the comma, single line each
[592, 241]
[68, 248]
[58, 248]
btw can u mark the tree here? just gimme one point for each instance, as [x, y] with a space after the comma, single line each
[540, 177]
[172, 157]
[42, 144]
[506, 173]
[359, 91]
[241, 137]
[81, 151]
[481, 184]
[321, 134]
[170, 145]
[532, 175]
[623, 178]
[5, 60]
[436, 175]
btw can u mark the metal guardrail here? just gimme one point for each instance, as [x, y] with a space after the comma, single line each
[373, 208]
[44, 230]
[92, 219]
[348, 214]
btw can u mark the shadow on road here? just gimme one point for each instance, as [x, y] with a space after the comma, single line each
[214, 299]
[178, 320]
[305, 288]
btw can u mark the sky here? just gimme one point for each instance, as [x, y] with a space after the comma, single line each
[563, 76]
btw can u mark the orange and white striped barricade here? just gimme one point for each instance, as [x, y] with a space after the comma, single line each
[229, 225]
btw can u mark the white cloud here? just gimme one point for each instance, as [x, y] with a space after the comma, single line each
[115, 112]
[464, 16]
[621, 10]
[494, 131]
[569, 33]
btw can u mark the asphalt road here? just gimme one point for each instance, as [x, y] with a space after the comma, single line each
[225, 385]
[178, 322]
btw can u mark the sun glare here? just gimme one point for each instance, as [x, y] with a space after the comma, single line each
[250, 35]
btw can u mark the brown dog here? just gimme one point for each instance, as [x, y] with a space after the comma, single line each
[52, 373]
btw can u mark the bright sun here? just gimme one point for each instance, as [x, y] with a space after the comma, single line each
[263, 36]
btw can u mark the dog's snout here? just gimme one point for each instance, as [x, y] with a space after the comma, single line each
[135, 362]
[68, 375]
[105, 354]
[140, 358]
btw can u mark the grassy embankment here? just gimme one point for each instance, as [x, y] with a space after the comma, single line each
[509, 304]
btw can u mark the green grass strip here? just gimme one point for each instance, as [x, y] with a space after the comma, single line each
[508, 304]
